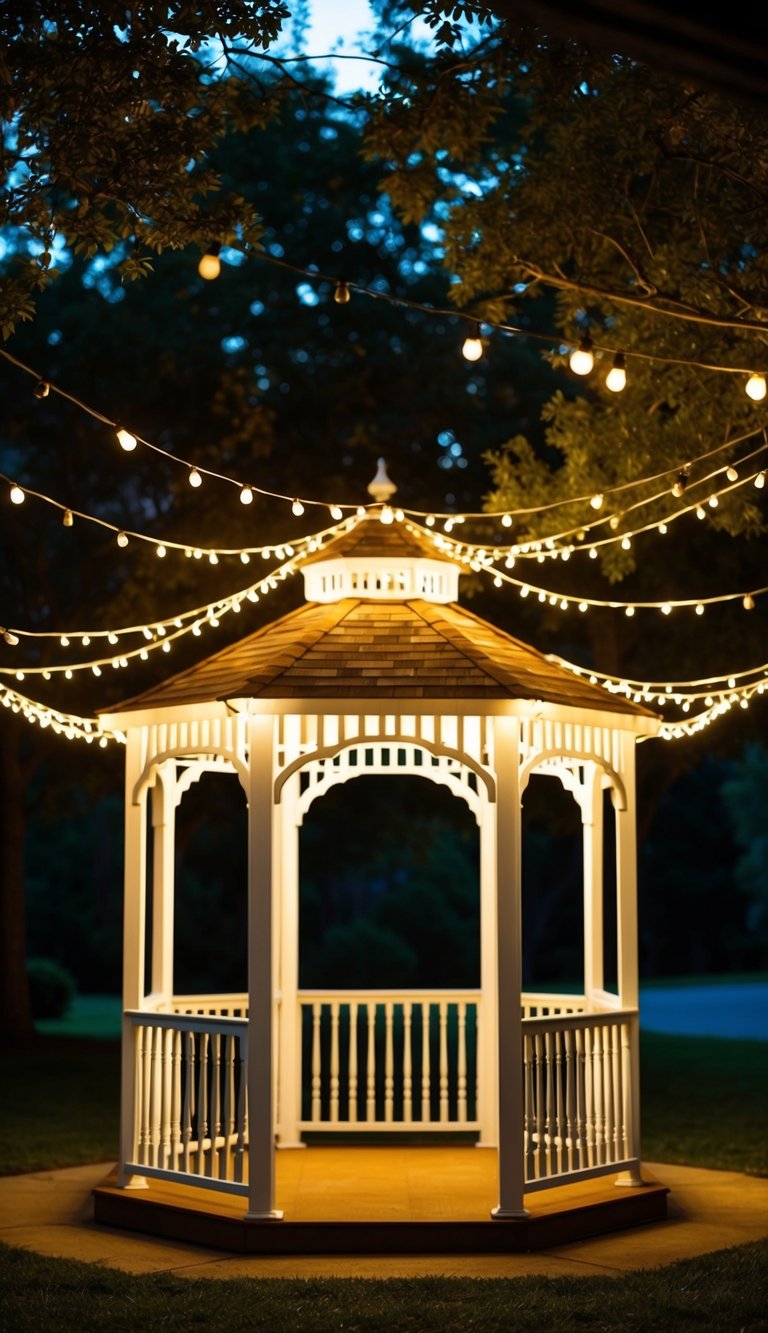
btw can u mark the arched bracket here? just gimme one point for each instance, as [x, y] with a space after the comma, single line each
[618, 790]
[149, 773]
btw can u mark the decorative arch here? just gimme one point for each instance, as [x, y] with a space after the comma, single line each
[615, 782]
[227, 761]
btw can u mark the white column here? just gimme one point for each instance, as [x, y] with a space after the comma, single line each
[164, 804]
[488, 1037]
[592, 841]
[289, 1052]
[261, 1092]
[627, 945]
[510, 971]
[134, 943]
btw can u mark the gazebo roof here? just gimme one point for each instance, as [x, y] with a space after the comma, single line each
[379, 647]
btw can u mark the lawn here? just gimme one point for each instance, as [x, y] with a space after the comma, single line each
[704, 1104]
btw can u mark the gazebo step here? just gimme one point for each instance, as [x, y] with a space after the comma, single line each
[324, 1215]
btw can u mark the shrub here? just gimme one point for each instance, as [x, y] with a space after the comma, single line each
[51, 988]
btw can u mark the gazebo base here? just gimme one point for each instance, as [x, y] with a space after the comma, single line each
[390, 1200]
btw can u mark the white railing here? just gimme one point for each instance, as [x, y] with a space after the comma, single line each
[579, 1074]
[191, 1110]
[389, 1060]
[211, 1006]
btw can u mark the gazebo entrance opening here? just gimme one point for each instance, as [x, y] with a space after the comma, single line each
[389, 959]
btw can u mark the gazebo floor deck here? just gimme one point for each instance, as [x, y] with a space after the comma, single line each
[381, 1200]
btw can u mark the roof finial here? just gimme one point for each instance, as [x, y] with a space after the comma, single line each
[381, 487]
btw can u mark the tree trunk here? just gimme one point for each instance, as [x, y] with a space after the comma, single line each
[15, 1011]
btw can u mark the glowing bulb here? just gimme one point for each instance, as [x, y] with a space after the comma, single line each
[11, 638]
[386, 515]
[625, 543]
[122, 539]
[67, 518]
[245, 558]
[341, 293]
[472, 347]
[748, 602]
[112, 638]
[713, 502]
[666, 608]
[760, 480]
[160, 552]
[700, 609]
[297, 508]
[194, 478]
[682, 481]
[336, 513]
[731, 474]
[64, 641]
[583, 606]
[213, 559]
[700, 512]
[597, 501]
[582, 360]
[42, 389]
[593, 553]
[126, 440]
[629, 611]
[616, 379]
[246, 495]
[17, 495]
[755, 388]
[210, 264]
[430, 520]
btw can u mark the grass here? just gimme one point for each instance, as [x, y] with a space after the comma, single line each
[724, 1291]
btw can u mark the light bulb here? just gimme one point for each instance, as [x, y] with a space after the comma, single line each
[297, 508]
[597, 501]
[126, 440]
[713, 502]
[629, 611]
[341, 293]
[42, 389]
[760, 480]
[679, 487]
[386, 515]
[210, 264]
[11, 638]
[472, 347]
[748, 602]
[67, 518]
[122, 539]
[194, 478]
[699, 608]
[700, 512]
[582, 360]
[755, 388]
[17, 495]
[160, 551]
[625, 543]
[731, 473]
[246, 495]
[666, 608]
[245, 558]
[616, 379]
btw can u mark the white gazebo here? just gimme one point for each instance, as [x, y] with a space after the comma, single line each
[379, 672]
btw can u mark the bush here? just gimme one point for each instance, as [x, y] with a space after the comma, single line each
[51, 988]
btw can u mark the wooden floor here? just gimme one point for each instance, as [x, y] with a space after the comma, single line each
[381, 1200]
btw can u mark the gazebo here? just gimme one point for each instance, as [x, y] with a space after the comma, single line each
[380, 672]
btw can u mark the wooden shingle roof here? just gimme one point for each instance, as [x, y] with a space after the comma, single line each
[398, 649]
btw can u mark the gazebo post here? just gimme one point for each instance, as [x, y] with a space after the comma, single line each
[510, 972]
[592, 835]
[134, 932]
[289, 1026]
[488, 1044]
[627, 948]
[164, 804]
[260, 1035]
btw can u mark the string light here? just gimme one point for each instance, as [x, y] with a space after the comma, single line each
[42, 389]
[17, 495]
[616, 379]
[341, 293]
[63, 724]
[755, 388]
[678, 489]
[210, 264]
[760, 480]
[582, 358]
[67, 518]
[122, 539]
[297, 508]
[472, 347]
[246, 496]
[126, 440]
[195, 479]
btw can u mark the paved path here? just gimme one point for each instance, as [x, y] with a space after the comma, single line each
[51, 1213]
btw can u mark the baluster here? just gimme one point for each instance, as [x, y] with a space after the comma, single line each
[241, 1160]
[443, 1066]
[559, 1103]
[550, 1107]
[142, 1097]
[407, 1063]
[389, 1061]
[597, 1060]
[581, 1158]
[189, 1100]
[370, 1098]
[570, 1098]
[202, 1102]
[589, 1098]
[461, 1063]
[228, 1121]
[335, 1060]
[156, 1076]
[175, 1100]
[618, 1152]
[316, 1070]
[626, 1085]
[426, 1090]
[528, 1107]
[215, 1047]
[540, 1140]
[165, 1118]
[352, 1114]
